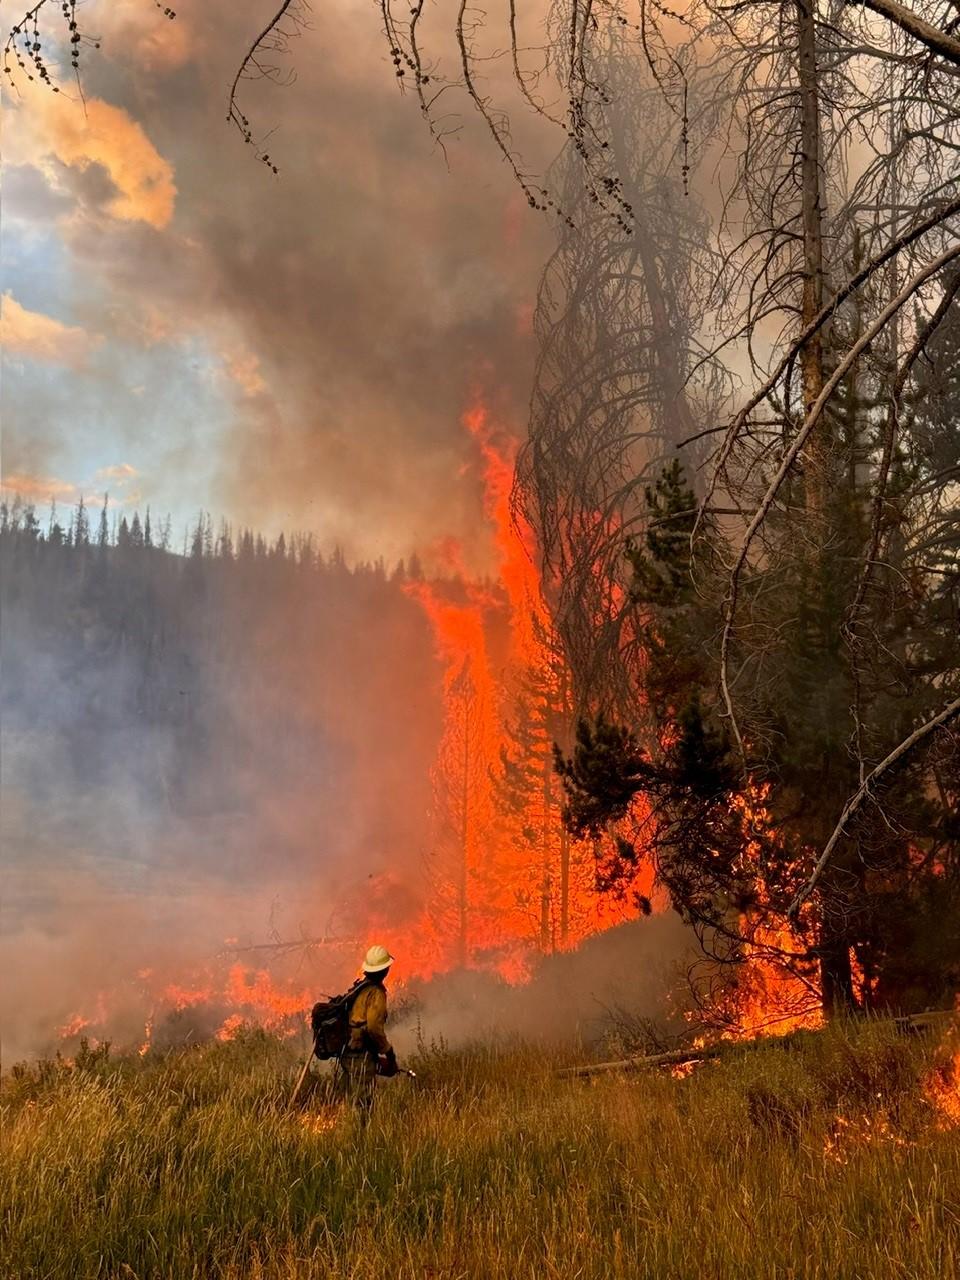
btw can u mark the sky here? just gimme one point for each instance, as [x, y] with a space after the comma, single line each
[185, 330]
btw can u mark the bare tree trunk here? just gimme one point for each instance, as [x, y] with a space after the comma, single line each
[673, 395]
[834, 907]
[836, 975]
[836, 970]
[811, 354]
[676, 406]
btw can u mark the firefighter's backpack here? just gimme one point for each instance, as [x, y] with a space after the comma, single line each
[330, 1022]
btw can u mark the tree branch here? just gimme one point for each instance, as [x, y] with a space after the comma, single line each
[790, 457]
[826, 312]
[939, 42]
[856, 800]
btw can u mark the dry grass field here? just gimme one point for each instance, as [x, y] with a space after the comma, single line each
[838, 1157]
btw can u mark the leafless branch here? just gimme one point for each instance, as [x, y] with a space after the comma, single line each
[790, 457]
[949, 712]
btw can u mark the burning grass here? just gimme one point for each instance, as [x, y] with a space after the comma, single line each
[835, 1157]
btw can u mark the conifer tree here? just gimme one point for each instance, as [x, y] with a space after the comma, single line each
[81, 525]
[102, 530]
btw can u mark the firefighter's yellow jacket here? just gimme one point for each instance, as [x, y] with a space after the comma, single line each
[368, 1016]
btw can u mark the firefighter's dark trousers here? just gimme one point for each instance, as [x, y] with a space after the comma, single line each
[357, 1080]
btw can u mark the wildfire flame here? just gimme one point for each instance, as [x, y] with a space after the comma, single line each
[506, 883]
[509, 883]
[942, 1085]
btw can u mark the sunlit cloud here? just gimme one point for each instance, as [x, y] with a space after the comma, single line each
[39, 489]
[120, 473]
[51, 128]
[41, 337]
[244, 369]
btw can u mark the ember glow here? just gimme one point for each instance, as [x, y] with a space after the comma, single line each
[942, 1085]
[775, 990]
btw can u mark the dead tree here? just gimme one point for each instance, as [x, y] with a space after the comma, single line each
[617, 390]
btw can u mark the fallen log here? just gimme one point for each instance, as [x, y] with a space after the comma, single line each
[911, 1023]
[670, 1058]
[906, 1024]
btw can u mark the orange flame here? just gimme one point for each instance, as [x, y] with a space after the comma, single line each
[508, 883]
[505, 883]
[942, 1085]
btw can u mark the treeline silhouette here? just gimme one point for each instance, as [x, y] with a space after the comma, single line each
[264, 704]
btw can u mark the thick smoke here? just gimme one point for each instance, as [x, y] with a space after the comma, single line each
[292, 351]
[206, 756]
[199, 750]
[195, 752]
[614, 981]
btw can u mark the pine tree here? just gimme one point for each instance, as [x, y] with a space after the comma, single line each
[528, 796]
[197, 538]
[102, 531]
[81, 526]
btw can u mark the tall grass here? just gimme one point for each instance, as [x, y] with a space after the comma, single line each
[825, 1160]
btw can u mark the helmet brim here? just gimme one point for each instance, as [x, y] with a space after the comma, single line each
[377, 968]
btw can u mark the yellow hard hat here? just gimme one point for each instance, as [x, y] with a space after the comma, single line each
[377, 959]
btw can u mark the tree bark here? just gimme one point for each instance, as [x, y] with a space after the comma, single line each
[811, 353]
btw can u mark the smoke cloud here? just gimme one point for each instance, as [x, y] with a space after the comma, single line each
[336, 319]
[204, 755]
[613, 980]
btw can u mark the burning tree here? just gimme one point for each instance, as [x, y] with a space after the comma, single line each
[528, 795]
[462, 810]
[506, 880]
[792, 655]
[764, 645]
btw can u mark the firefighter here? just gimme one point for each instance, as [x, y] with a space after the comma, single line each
[368, 1053]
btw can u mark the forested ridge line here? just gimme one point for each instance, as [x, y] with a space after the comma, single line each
[243, 681]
